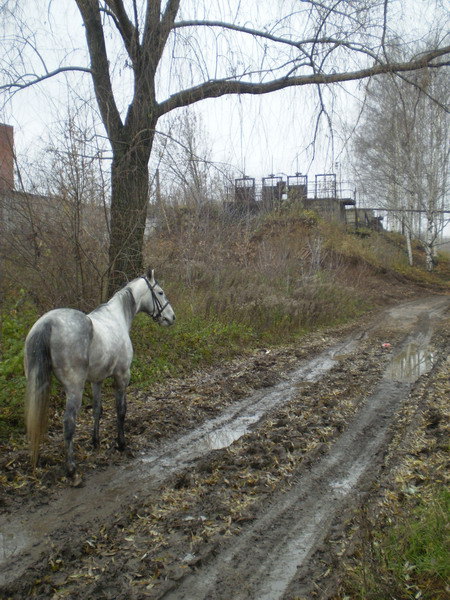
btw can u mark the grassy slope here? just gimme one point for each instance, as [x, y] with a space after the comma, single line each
[267, 284]
[234, 289]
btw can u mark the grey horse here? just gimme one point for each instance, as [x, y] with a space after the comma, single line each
[76, 348]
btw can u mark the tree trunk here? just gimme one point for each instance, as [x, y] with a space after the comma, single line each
[129, 200]
[409, 247]
[429, 242]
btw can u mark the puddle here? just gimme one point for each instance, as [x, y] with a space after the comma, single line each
[411, 363]
[104, 489]
[236, 421]
[11, 543]
[226, 436]
[345, 485]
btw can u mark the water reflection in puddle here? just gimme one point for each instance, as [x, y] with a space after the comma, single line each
[236, 421]
[226, 436]
[411, 363]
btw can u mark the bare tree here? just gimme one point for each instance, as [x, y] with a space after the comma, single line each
[189, 176]
[54, 235]
[75, 179]
[176, 54]
[402, 152]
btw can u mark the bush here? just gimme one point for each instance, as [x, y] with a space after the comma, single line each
[406, 558]
[18, 316]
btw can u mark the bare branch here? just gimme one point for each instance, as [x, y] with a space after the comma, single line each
[444, 107]
[257, 33]
[221, 87]
[90, 13]
[20, 85]
[127, 30]
[157, 29]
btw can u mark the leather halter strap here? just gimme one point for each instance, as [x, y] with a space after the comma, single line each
[158, 307]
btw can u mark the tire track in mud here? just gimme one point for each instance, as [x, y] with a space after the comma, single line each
[261, 563]
[26, 538]
[263, 560]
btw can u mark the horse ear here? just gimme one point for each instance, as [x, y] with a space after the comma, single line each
[151, 274]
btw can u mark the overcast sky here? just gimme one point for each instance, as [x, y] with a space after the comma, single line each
[257, 135]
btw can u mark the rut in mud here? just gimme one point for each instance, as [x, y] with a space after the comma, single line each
[33, 533]
[237, 507]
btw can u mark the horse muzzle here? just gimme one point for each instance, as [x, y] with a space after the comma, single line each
[166, 321]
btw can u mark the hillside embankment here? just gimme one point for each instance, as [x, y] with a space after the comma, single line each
[300, 401]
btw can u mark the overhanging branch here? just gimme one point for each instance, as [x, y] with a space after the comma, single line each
[257, 33]
[127, 30]
[221, 87]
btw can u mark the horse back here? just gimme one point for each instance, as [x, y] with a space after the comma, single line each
[69, 333]
[111, 349]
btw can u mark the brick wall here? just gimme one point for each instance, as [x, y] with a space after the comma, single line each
[6, 157]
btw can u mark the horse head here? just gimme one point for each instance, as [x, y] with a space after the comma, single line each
[156, 304]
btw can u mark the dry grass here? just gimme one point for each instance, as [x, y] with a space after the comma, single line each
[276, 272]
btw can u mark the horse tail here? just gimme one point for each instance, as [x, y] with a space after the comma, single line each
[38, 369]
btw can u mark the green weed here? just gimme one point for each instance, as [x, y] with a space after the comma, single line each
[18, 315]
[406, 559]
[417, 548]
[194, 341]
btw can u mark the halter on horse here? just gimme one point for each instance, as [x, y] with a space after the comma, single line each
[76, 348]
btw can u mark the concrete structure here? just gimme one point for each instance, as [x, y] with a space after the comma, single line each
[272, 191]
[245, 191]
[297, 187]
[364, 217]
[332, 201]
[333, 209]
[324, 198]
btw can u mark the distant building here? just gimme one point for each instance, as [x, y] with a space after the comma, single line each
[32, 221]
[16, 206]
[324, 198]
[6, 158]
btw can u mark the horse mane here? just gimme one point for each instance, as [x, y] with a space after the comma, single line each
[128, 302]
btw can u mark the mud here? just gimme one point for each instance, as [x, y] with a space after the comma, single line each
[32, 534]
[238, 506]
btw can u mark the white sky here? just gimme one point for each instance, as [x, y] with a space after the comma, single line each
[258, 135]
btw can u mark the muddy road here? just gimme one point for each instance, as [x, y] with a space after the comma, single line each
[237, 475]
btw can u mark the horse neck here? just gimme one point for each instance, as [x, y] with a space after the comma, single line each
[139, 290]
[124, 302]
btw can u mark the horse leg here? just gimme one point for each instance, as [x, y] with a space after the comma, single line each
[73, 404]
[96, 393]
[121, 382]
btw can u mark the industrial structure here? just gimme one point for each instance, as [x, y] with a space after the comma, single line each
[323, 195]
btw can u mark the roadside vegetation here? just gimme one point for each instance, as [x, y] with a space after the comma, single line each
[405, 556]
[402, 535]
[235, 285]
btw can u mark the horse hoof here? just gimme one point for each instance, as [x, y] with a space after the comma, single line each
[76, 480]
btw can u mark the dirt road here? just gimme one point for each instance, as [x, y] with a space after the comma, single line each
[239, 505]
